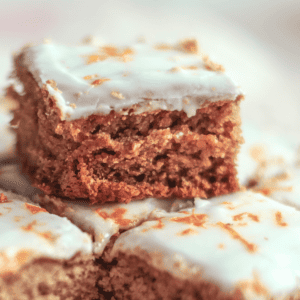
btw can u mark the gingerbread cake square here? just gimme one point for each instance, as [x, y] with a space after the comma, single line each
[238, 246]
[43, 256]
[120, 124]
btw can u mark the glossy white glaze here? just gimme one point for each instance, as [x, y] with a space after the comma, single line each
[103, 221]
[141, 74]
[28, 232]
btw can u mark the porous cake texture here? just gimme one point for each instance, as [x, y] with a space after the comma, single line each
[238, 246]
[42, 256]
[121, 124]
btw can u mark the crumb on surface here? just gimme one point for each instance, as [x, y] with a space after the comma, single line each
[106, 52]
[53, 84]
[211, 66]
[99, 81]
[3, 198]
[189, 46]
[117, 95]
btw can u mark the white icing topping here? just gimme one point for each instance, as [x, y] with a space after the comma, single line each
[241, 241]
[28, 232]
[101, 221]
[154, 79]
[105, 220]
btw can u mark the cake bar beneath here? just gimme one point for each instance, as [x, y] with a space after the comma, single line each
[239, 246]
[42, 256]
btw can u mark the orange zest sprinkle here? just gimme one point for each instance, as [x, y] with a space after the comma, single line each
[116, 216]
[3, 198]
[221, 246]
[163, 47]
[211, 66]
[188, 231]
[127, 51]
[53, 84]
[34, 209]
[249, 246]
[239, 217]
[110, 51]
[267, 191]
[229, 205]
[100, 81]
[194, 219]
[29, 227]
[175, 69]
[89, 77]
[117, 95]
[95, 58]
[190, 67]
[253, 285]
[159, 225]
[22, 257]
[189, 45]
[279, 222]
[46, 235]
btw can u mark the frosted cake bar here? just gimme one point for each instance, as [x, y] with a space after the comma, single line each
[238, 246]
[104, 222]
[125, 123]
[42, 256]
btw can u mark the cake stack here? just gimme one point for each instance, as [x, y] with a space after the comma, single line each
[134, 152]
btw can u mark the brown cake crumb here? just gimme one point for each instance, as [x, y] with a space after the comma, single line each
[46, 279]
[117, 95]
[189, 45]
[100, 81]
[53, 84]
[212, 66]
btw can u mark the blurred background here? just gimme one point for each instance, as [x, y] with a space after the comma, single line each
[258, 42]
